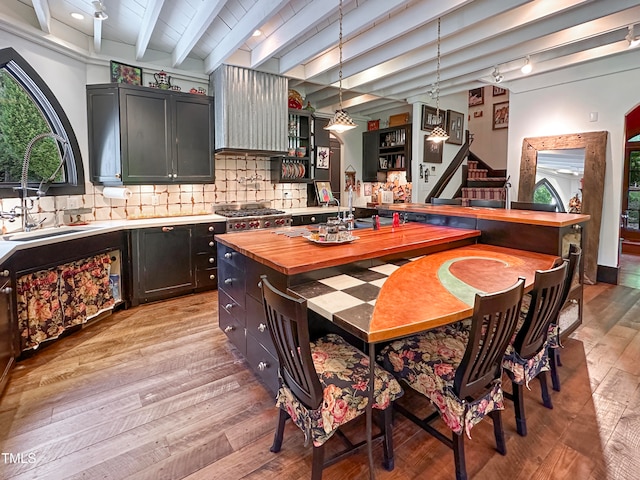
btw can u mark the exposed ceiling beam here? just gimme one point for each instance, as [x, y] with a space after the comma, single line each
[149, 20]
[43, 14]
[253, 19]
[201, 21]
[304, 20]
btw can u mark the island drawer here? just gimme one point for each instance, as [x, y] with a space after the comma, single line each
[257, 325]
[231, 280]
[231, 322]
[254, 270]
[230, 256]
[232, 308]
[262, 363]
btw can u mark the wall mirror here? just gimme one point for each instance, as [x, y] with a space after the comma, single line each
[594, 145]
[559, 179]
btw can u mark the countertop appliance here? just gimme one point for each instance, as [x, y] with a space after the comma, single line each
[252, 216]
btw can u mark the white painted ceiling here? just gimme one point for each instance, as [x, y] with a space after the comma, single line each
[389, 46]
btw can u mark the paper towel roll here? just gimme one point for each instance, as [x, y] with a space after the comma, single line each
[122, 193]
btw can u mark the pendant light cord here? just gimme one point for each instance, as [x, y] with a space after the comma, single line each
[438, 75]
[340, 49]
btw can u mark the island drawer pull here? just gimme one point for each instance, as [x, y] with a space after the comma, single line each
[262, 327]
[211, 229]
[228, 255]
[229, 306]
[228, 281]
[6, 290]
[313, 219]
[4, 273]
[262, 366]
[229, 329]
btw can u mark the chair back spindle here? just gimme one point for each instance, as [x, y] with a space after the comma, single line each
[287, 322]
[494, 320]
[546, 296]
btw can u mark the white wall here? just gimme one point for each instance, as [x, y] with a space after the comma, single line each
[422, 186]
[489, 144]
[565, 108]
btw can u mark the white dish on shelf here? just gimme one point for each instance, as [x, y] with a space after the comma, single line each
[331, 242]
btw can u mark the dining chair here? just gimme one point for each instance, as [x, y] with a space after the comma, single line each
[486, 203]
[458, 367]
[527, 356]
[575, 253]
[446, 201]
[539, 207]
[324, 384]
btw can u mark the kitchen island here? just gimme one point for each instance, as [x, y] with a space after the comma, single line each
[289, 259]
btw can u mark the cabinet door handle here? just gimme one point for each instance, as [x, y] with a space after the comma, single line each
[228, 281]
[167, 229]
[262, 366]
[228, 329]
[212, 277]
[212, 260]
[262, 327]
[228, 255]
[6, 290]
[229, 306]
[212, 243]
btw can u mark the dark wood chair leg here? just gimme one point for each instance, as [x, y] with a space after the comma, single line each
[277, 438]
[458, 456]
[546, 398]
[318, 462]
[387, 442]
[498, 431]
[518, 403]
[554, 361]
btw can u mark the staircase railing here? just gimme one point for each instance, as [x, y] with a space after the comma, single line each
[453, 167]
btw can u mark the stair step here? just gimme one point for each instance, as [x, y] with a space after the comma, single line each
[483, 193]
[492, 182]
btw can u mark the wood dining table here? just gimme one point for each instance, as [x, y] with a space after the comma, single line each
[387, 301]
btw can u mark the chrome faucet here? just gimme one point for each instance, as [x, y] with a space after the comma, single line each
[28, 222]
[348, 217]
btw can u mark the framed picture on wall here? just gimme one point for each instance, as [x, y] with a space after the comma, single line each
[455, 125]
[323, 192]
[322, 161]
[476, 96]
[500, 115]
[497, 91]
[432, 151]
[431, 119]
[123, 73]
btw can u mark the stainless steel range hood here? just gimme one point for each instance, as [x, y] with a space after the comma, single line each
[251, 111]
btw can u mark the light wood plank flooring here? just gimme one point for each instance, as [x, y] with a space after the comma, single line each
[156, 392]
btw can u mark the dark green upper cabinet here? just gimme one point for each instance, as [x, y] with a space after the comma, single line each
[139, 135]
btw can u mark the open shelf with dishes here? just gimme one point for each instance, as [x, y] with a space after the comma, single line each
[296, 166]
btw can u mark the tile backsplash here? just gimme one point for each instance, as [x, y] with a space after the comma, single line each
[240, 178]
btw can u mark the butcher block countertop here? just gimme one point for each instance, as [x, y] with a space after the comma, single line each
[530, 217]
[292, 255]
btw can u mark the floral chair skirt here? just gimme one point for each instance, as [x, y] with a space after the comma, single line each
[344, 375]
[427, 363]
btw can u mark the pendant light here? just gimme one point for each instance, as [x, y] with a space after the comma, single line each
[438, 134]
[341, 121]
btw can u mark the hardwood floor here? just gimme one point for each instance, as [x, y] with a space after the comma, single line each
[156, 392]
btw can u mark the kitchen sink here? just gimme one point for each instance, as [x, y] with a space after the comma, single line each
[46, 233]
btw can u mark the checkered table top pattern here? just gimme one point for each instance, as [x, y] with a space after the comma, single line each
[349, 297]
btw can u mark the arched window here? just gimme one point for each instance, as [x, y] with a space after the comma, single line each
[28, 111]
[544, 192]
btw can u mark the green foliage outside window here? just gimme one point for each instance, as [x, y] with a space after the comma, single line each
[542, 195]
[20, 121]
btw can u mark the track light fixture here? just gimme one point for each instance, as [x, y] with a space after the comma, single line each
[497, 76]
[100, 13]
[527, 67]
[631, 38]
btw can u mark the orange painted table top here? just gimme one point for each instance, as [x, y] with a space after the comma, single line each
[531, 217]
[293, 255]
[418, 295]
